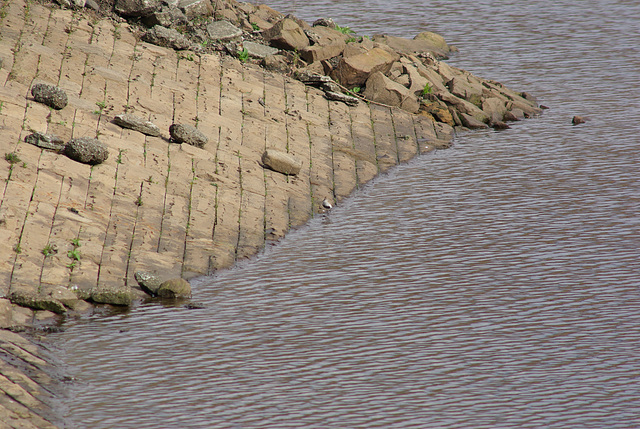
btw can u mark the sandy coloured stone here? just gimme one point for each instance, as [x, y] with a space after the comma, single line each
[281, 162]
[135, 123]
[185, 133]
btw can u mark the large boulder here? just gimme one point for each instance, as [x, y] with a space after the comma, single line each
[326, 43]
[355, 70]
[383, 90]
[135, 123]
[436, 41]
[281, 162]
[185, 133]
[286, 34]
[86, 150]
[495, 108]
[49, 95]
[175, 288]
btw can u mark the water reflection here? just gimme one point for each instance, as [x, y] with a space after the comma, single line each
[494, 284]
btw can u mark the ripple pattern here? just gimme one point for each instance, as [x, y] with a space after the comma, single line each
[492, 285]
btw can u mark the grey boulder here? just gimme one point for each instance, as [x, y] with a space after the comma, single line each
[86, 150]
[137, 124]
[49, 95]
[45, 141]
[184, 133]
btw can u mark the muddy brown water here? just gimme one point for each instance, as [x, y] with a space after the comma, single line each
[494, 284]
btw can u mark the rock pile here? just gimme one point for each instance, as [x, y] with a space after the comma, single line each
[393, 71]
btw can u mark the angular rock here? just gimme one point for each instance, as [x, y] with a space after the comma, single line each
[258, 50]
[91, 4]
[355, 70]
[185, 133]
[275, 63]
[37, 302]
[165, 17]
[45, 141]
[499, 125]
[471, 122]
[435, 40]
[49, 95]
[324, 22]
[281, 162]
[150, 283]
[383, 90]
[495, 109]
[513, 115]
[175, 288]
[196, 8]
[467, 87]
[286, 34]
[135, 123]
[166, 37]
[223, 31]
[86, 150]
[577, 120]
[114, 295]
[134, 8]
[68, 298]
[338, 96]
[439, 113]
[326, 43]
[462, 106]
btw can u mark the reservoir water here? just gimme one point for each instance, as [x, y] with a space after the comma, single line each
[495, 284]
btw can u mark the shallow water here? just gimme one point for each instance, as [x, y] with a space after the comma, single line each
[494, 284]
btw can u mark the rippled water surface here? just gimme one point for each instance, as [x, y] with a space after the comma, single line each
[494, 284]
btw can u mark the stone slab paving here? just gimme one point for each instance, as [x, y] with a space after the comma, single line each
[154, 205]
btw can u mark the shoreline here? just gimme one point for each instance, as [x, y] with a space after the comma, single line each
[179, 210]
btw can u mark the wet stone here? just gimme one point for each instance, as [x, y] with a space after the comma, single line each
[175, 288]
[86, 150]
[185, 133]
[49, 95]
[37, 302]
[46, 141]
[148, 282]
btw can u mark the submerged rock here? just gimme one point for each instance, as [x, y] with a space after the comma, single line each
[86, 150]
[577, 120]
[50, 95]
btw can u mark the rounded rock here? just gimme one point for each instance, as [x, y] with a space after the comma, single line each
[86, 150]
[184, 133]
[175, 288]
[50, 95]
